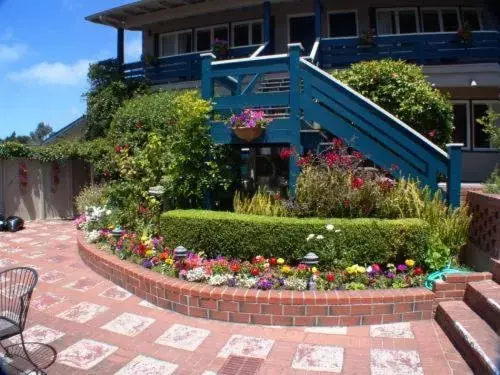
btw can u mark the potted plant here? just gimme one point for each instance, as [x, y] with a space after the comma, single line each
[367, 38]
[464, 34]
[249, 124]
[150, 60]
[220, 48]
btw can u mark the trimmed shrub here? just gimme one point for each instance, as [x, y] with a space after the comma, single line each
[361, 241]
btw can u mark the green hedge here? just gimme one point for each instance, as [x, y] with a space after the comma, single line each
[361, 241]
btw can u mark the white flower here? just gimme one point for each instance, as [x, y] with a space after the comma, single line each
[320, 237]
[310, 237]
[337, 231]
[93, 236]
[108, 212]
[218, 280]
[369, 269]
[330, 227]
[196, 274]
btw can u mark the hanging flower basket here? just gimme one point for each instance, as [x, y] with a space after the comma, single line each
[248, 134]
[249, 124]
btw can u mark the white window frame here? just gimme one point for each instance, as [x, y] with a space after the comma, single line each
[440, 15]
[397, 10]
[176, 33]
[479, 12]
[344, 11]
[250, 24]
[296, 15]
[211, 28]
[489, 103]
[468, 132]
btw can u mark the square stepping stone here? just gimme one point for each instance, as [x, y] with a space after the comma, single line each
[46, 301]
[39, 334]
[183, 337]
[116, 293]
[85, 354]
[318, 358]
[395, 362]
[128, 324]
[396, 330]
[52, 277]
[327, 330]
[147, 366]
[246, 346]
[83, 284]
[83, 312]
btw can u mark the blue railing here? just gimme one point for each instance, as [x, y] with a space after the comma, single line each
[178, 68]
[427, 48]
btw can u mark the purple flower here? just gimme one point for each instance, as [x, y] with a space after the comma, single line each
[402, 267]
[390, 275]
[147, 263]
[232, 282]
[264, 283]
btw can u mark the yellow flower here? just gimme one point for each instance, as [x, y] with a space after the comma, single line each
[410, 262]
[286, 269]
[350, 270]
[150, 253]
[169, 261]
[144, 238]
[111, 227]
[314, 270]
[360, 269]
[281, 261]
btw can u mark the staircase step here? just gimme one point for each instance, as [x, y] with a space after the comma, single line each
[484, 298]
[472, 336]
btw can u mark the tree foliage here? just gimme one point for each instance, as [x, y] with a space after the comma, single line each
[401, 89]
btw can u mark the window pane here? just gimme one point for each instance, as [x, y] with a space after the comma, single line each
[257, 33]
[430, 21]
[221, 33]
[407, 21]
[343, 24]
[450, 20]
[203, 40]
[460, 123]
[241, 35]
[472, 18]
[385, 23]
[168, 45]
[185, 43]
[481, 139]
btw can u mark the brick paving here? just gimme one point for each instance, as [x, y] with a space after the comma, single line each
[99, 328]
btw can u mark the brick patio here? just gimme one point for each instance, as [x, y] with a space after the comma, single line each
[99, 328]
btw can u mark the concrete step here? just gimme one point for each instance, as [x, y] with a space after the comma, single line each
[472, 336]
[484, 298]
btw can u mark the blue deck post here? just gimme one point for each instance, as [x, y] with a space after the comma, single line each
[453, 185]
[120, 46]
[207, 83]
[267, 23]
[317, 18]
[294, 51]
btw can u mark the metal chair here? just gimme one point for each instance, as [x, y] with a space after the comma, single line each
[16, 288]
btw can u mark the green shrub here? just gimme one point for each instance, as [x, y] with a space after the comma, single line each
[401, 89]
[493, 182]
[360, 241]
[92, 195]
[261, 203]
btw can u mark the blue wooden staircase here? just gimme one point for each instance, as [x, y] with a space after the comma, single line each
[312, 96]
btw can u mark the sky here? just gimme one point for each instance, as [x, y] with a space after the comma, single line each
[44, 56]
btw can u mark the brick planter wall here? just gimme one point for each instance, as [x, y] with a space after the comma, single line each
[288, 308]
[453, 286]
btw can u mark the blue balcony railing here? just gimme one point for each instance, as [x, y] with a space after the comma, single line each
[428, 48]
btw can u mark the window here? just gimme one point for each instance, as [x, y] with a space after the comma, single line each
[343, 24]
[397, 21]
[206, 35]
[176, 43]
[473, 17]
[461, 123]
[440, 19]
[480, 137]
[248, 33]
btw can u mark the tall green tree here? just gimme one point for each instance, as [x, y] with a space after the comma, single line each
[42, 132]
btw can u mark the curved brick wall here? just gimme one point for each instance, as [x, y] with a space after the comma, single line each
[274, 307]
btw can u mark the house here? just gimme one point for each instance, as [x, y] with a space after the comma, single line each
[264, 67]
[72, 131]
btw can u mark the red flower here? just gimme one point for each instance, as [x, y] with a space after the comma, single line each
[118, 149]
[273, 261]
[330, 277]
[376, 268]
[304, 161]
[357, 155]
[141, 250]
[332, 158]
[155, 260]
[418, 271]
[357, 183]
[255, 271]
[338, 143]
[235, 267]
[138, 125]
[432, 133]
[164, 255]
[286, 153]
[107, 174]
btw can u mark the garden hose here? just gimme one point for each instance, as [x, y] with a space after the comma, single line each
[439, 275]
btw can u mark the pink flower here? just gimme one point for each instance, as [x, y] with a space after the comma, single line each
[357, 183]
[432, 133]
[286, 153]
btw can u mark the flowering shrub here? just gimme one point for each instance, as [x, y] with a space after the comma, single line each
[94, 218]
[249, 119]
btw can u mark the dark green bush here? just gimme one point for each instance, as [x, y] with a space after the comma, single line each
[361, 241]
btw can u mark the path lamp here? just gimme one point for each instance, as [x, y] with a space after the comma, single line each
[116, 233]
[180, 253]
[311, 260]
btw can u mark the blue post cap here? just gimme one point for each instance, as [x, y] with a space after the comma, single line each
[295, 46]
[180, 252]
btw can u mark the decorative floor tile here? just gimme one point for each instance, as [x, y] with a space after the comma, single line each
[246, 346]
[117, 293]
[34, 254]
[56, 259]
[85, 354]
[128, 324]
[39, 334]
[45, 301]
[7, 263]
[147, 366]
[83, 312]
[318, 358]
[396, 330]
[209, 373]
[83, 284]
[327, 330]
[52, 277]
[395, 362]
[149, 305]
[183, 337]
[63, 237]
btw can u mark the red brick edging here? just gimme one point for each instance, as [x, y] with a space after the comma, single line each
[275, 307]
